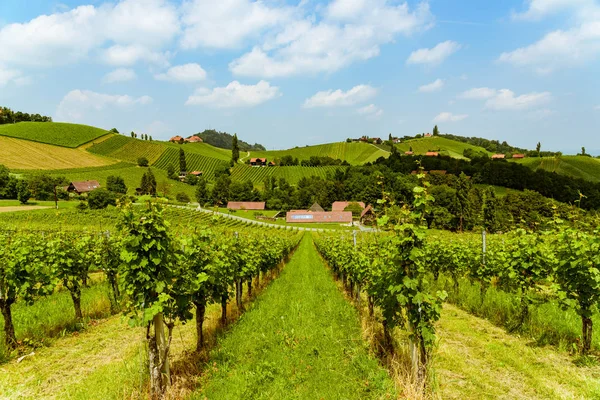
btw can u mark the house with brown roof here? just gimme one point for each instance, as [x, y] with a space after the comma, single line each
[377, 140]
[271, 164]
[340, 217]
[316, 207]
[194, 139]
[428, 135]
[432, 154]
[518, 156]
[258, 162]
[196, 173]
[408, 153]
[341, 205]
[176, 139]
[368, 217]
[498, 157]
[246, 205]
[81, 187]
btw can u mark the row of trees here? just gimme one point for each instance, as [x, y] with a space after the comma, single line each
[154, 277]
[8, 116]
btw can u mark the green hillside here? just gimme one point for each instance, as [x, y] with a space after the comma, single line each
[194, 161]
[355, 153]
[292, 174]
[574, 166]
[446, 146]
[56, 133]
[203, 149]
[129, 149]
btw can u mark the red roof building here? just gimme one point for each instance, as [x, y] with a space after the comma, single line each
[408, 153]
[428, 135]
[194, 139]
[518, 156]
[340, 217]
[196, 173]
[246, 205]
[176, 139]
[498, 157]
[83, 186]
[432, 154]
[341, 205]
[258, 162]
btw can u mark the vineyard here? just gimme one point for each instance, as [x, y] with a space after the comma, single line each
[445, 146]
[195, 162]
[292, 174]
[587, 168]
[355, 153]
[203, 149]
[128, 149]
[55, 133]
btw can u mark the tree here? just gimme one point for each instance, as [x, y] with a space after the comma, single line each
[235, 149]
[171, 173]
[114, 130]
[116, 184]
[150, 273]
[201, 191]
[220, 192]
[182, 197]
[132, 134]
[148, 184]
[142, 162]
[583, 151]
[490, 205]
[23, 192]
[436, 131]
[150, 138]
[462, 195]
[538, 148]
[393, 148]
[182, 162]
[101, 198]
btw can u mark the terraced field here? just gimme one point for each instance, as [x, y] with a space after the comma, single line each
[354, 153]
[27, 155]
[129, 149]
[195, 162]
[447, 147]
[292, 174]
[56, 133]
[574, 166]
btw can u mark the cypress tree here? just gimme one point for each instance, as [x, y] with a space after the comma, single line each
[182, 163]
[235, 149]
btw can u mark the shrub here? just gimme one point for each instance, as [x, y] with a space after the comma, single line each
[183, 197]
[116, 184]
[101, 198]
[142, 162]
[82, 206]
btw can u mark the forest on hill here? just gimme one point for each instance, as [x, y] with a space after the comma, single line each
[224, 141]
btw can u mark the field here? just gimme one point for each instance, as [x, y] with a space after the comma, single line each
[446, 146]
[355, 153]
[194, 161]
[203, 149]
[128, 149]
[56, 133]
[292, 174]
[27, 155]
[587, 168]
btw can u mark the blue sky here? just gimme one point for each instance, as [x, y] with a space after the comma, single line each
[291, 73]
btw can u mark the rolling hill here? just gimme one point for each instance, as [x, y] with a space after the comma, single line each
[355, 153]
[574, 166]
[291, 174]
[56, 133]
[447, 147]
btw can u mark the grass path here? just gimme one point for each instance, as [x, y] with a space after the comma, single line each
[301, 340]
[478, 360]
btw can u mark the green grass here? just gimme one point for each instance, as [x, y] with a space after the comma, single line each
[128, 149]
[356, 153]
[574, 166]
[300, 340]
[447, 147]
[203, 149]
[293, 174]
[56, 133]
[477, 360]
[248, 213]
[61, 204]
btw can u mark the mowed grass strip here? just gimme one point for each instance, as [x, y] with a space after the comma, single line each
[56, 133]
[28, 155]
[477, 360]
[301, 340]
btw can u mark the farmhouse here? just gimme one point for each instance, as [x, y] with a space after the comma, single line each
[341, 217]
[377, 140]
[246, 205]
[408, 153]
[432, 154]
[428, 135]
[498, 157]
[196, 173]
[80, 187]
[194, 139]
[341, 205]
[258, 162]
[176, 139]
[368, 217]
[518, 156]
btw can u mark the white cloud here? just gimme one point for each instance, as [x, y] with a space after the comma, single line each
[597, 107]
[234, 95]
[541, 8]
[435, 55]
[449, 117]
[120, 75]
[506, 100]
[434, 86]
[371, 111]
[129, 55]
[65, 37]
[9, 75]
[348, 32]
[228, 23]
[334, 98]
[77, 103]
[478, 93]
[183, 73]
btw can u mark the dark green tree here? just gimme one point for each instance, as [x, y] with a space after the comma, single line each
[101, 198]
[23, 192]
[462, 196]
[182, 162]
[235, 149]
[142, 162]
[201, 191]
[171, 172]
[220, 192]
[116, 184]
[538, 149]
[436, 131]
[490, 213]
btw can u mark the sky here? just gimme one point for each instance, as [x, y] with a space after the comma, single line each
[292, 73]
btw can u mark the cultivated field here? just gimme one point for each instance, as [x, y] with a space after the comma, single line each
[194, 162]
[445, 146]
[292, 174]
[27, 155]
[128, 149]
[354, 153]
[56, 133]
[574, 166]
